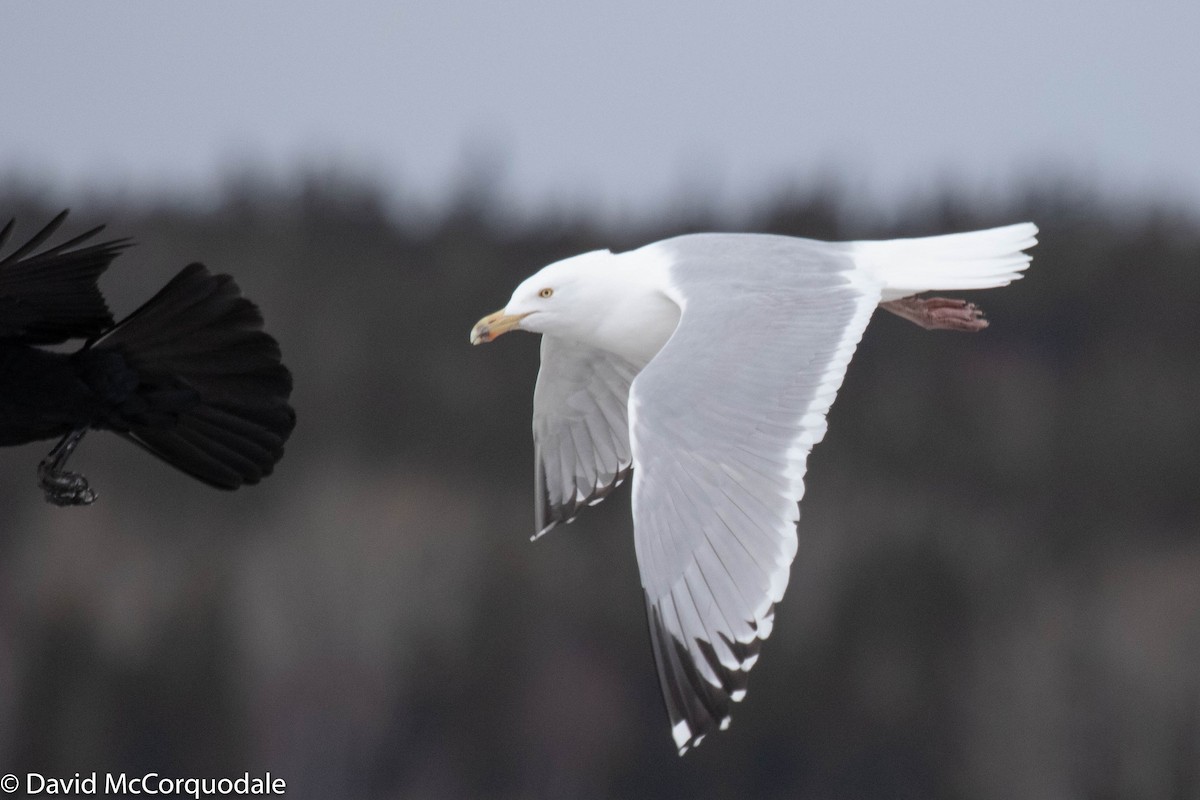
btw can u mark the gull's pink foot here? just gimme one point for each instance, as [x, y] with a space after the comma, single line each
[939, 313]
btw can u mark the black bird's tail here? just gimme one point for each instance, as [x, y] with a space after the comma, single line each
[212, 395]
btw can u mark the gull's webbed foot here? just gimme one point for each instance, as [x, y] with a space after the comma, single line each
[939, 313]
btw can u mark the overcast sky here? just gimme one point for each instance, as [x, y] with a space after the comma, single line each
[622, 106]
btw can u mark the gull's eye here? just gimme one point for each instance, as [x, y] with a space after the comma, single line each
[547, 292]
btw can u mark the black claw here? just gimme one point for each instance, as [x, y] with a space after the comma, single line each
[61, 498]
[66, 489]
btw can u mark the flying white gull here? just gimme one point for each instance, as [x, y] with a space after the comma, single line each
[706, 365]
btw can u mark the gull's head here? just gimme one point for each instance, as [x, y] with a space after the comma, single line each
[565, 298]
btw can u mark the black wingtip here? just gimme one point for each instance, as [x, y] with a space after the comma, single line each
[51, 295]
[45, 233]
[694, 706]
[550, 515]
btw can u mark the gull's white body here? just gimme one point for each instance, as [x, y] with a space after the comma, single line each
[707, 364]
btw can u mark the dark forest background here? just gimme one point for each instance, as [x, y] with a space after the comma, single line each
[997, 592]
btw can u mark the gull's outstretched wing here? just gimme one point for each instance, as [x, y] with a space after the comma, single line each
[50, 296]
[580, 428]
[722, 421]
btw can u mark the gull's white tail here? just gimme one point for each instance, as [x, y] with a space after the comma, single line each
[975, 260]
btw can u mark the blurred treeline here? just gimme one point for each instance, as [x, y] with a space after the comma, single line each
[997, 593]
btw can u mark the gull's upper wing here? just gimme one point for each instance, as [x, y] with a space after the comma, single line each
[51, 296]
[580, 428]
[722, 421]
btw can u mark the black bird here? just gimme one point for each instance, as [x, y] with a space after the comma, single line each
[190, 375]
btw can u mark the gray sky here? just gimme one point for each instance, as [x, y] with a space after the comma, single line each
[617, 105]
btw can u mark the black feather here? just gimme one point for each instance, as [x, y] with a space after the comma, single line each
[52, 296]
[688, 696]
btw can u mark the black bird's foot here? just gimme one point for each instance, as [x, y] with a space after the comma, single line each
[65, 488]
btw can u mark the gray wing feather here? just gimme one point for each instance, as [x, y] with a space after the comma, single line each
[722, 421]
[580, 428]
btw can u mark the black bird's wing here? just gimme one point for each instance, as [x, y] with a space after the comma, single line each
[50, 296]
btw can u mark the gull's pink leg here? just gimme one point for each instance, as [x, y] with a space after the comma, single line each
[939, 313]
